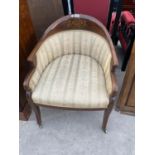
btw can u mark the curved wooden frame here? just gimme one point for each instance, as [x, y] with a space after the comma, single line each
[75, 21]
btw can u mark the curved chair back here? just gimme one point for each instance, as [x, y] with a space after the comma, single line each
[77, 22]
[65, 37]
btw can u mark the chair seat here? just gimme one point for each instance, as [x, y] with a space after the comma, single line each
[72, 81]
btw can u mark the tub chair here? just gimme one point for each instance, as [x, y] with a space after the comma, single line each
[73, 68]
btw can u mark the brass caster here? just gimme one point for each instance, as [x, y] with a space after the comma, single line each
[105, 131]
[41, 126]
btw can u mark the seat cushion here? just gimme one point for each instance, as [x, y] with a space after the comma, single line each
[73, 81]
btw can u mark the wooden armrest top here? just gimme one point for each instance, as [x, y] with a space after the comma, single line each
[26, 81]
[32, 61]
[114, 85]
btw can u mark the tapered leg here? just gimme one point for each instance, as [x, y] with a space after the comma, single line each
[38, 116]
[35, 108]
[106, 115]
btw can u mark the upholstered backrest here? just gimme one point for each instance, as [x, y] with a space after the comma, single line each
[73, 42]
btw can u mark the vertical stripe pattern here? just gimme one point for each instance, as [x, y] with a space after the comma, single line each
[72, 81]
[73, 42]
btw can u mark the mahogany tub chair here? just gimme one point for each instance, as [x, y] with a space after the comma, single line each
[73, 68]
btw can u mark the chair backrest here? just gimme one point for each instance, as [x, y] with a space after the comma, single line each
[76, 22]
[96, 8]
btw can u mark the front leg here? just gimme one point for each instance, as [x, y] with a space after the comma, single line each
[35, 108]
[107, 114]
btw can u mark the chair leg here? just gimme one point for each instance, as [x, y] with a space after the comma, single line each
[38, 116]
[35, 108]
[106, 116]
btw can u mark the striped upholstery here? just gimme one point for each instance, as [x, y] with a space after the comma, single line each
[71, 42]
[74, 81]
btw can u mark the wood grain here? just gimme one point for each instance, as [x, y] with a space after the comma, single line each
[27, 41]
[126, 101]
[43, 13]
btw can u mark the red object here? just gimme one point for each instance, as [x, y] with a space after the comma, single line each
[112, 22]
[127, 21]
[127, 17]
[96, 8]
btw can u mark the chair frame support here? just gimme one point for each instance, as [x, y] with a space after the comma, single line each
[106, 115]
[34, 107]
[76, 21]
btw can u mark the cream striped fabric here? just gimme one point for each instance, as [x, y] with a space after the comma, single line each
[73, 80]
[73, 42]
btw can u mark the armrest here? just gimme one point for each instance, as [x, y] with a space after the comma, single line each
[109, 40]
[114, 85]
[29, 75]
[33, 65]
[115, 62]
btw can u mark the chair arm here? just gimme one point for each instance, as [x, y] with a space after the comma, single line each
[114, 85]
[27, 80]
[33, 65]
[115, 62]
[32, 61]
[114, 59]
[112, 48]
